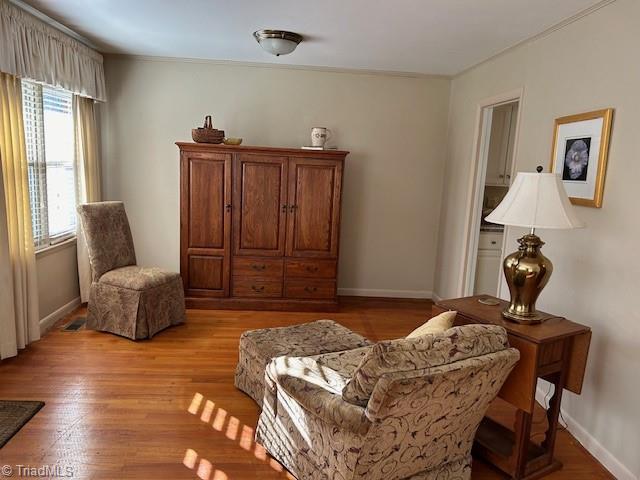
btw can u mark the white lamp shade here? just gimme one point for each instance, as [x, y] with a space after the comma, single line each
[536, 200]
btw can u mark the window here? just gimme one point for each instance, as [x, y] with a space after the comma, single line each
[50, 139]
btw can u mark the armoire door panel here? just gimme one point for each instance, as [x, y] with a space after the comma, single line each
[206, 226]
[314, 212]
[206, 203]
[206, 272]
[260, 198]
[313, 208]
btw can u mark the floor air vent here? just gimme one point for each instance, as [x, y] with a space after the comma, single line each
[75, 325]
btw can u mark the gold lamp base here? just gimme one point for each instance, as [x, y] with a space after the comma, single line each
[527, 271]
[526, 320]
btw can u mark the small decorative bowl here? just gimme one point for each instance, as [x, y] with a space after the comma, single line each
[232, 141]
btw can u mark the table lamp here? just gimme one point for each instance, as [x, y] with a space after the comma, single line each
[534, 200]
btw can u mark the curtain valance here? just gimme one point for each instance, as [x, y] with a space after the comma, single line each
[32, 49]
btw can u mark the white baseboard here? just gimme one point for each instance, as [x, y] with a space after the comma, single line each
[435, 297]
[593, 446]
[47, 322]
[373, 292]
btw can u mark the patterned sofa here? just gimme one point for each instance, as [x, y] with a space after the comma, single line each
[400, 409]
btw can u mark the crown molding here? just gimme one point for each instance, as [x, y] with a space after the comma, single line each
[538, 36]
[278, 66]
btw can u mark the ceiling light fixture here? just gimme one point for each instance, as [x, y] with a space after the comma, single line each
[277, 42]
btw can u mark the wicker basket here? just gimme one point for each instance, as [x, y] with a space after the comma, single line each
[207, 134]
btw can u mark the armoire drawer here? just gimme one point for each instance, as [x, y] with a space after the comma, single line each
[303, 288]
[257, 267]
[255, 287]
[310, 268]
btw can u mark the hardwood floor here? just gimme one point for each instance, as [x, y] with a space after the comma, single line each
[167, 408]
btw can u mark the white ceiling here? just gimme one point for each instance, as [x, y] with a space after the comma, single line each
[420, 36]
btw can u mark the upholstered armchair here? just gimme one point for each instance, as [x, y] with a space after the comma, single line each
[400, 409]
[125, 299]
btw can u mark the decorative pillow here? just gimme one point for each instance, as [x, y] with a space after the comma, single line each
[426, 351]
[437, 324]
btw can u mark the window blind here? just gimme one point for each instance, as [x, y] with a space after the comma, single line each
[34, 138]
[50, 141]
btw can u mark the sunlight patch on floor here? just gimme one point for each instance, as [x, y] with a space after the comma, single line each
[232, 428]
[235, 431]
[195, 403]
[246, 437]
[207, 411]
[218, 422]
[205, 469]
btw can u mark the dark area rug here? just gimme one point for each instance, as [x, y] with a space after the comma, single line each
[14, 414]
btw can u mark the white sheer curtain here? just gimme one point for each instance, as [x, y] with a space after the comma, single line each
[19, 316]
[88, 175]
[32, 49]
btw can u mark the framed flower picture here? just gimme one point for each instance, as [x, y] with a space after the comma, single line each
[580, 149]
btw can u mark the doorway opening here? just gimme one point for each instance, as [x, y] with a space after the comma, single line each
[493, 175]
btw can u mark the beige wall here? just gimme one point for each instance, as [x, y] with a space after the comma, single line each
[394, 127]
[57, 279]
[588, 65]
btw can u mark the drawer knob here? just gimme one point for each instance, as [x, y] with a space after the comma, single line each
[257, 289]
[310, 289]
[258, 266]
[312, 268]
[493, 242]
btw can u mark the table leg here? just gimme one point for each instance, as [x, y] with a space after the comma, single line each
[553, 412]
[521, 446]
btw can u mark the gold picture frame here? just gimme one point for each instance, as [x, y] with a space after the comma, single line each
[576, 137]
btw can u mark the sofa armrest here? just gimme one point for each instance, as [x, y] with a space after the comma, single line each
[318, 390]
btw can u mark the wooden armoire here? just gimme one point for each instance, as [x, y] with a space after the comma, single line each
[259, 226]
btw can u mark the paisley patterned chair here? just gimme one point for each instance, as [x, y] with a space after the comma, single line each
[125, 299]
[400, 409]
